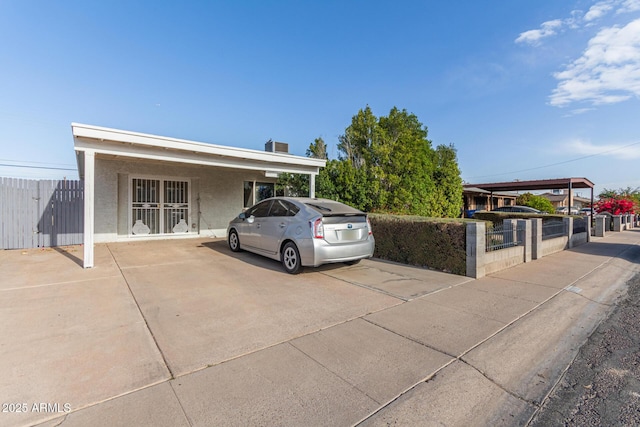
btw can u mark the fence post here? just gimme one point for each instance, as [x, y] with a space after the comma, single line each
[600, 225]
[617, 223]
[524, 237]
[476, 248]
[568, 226]
[536, 238]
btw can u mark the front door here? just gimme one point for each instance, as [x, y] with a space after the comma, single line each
[159, 206]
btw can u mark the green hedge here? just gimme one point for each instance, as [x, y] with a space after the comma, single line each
[497, 217]
[425, 242]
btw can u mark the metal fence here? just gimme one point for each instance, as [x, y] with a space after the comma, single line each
[39, 213]
[500, 237]
[553, 228]
[580, 225]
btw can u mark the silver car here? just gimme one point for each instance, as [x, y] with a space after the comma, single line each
[303, 232]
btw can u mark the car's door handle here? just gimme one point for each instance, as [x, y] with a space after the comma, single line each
[258, 225]
[283, 225]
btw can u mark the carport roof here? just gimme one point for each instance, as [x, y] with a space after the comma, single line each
[121, 143]
[475, 190]
[541, 184]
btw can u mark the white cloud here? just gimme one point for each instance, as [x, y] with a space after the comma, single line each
[618, 151]
[598, 10]
[577, 20]
[607, 72]
[578, 111]
[547, 29]
[629, 6]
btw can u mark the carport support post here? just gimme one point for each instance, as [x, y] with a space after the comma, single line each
[476, 237]
[312, 185]
[89, 187]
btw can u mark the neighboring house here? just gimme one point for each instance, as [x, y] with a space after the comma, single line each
[560, 198]
[140, 186]
[477, 199]
[487, 196]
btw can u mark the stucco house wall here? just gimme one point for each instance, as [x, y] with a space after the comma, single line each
[217, 193]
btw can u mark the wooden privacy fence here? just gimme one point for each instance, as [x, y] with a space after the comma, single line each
[39, 213]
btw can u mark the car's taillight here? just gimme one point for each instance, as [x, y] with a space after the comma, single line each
[318, 228]
[369, 227]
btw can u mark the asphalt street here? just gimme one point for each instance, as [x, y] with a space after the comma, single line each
[602, 385]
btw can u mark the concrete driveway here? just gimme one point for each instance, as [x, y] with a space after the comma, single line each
[184, 332]
[152, 311]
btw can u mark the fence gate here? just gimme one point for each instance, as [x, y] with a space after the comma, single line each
[39, 213]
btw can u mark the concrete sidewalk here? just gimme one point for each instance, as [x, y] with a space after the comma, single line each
[374, 344]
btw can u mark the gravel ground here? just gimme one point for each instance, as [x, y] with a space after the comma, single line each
[602, 385]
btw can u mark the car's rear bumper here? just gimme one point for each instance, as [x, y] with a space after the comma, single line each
[315, 252]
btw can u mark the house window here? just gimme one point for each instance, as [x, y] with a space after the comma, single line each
[257, 191]
[480, 202]
[159, 206]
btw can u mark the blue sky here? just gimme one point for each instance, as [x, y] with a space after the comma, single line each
[526, 89]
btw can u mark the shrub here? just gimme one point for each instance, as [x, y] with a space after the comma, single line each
[537, 202]
[425, 242]
[616, 206]
[497, 217]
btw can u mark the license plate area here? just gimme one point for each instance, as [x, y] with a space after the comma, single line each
[349, 234]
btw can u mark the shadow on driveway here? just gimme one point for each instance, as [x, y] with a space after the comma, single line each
[221, 247]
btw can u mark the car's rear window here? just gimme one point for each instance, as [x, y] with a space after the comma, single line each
[331, 208]
[339, 219]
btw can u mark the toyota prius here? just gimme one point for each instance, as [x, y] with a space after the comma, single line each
[303, 232]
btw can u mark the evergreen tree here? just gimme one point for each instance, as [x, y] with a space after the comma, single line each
[387, 164]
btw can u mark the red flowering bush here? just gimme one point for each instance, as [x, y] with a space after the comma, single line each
[616, 206]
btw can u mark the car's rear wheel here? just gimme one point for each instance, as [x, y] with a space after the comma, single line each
[291, 258]
[234, 241]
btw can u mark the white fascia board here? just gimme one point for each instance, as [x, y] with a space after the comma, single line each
[150, 153]
[101, 134]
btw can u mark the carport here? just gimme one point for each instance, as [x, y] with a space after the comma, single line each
[141, 186]
[542, 184]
